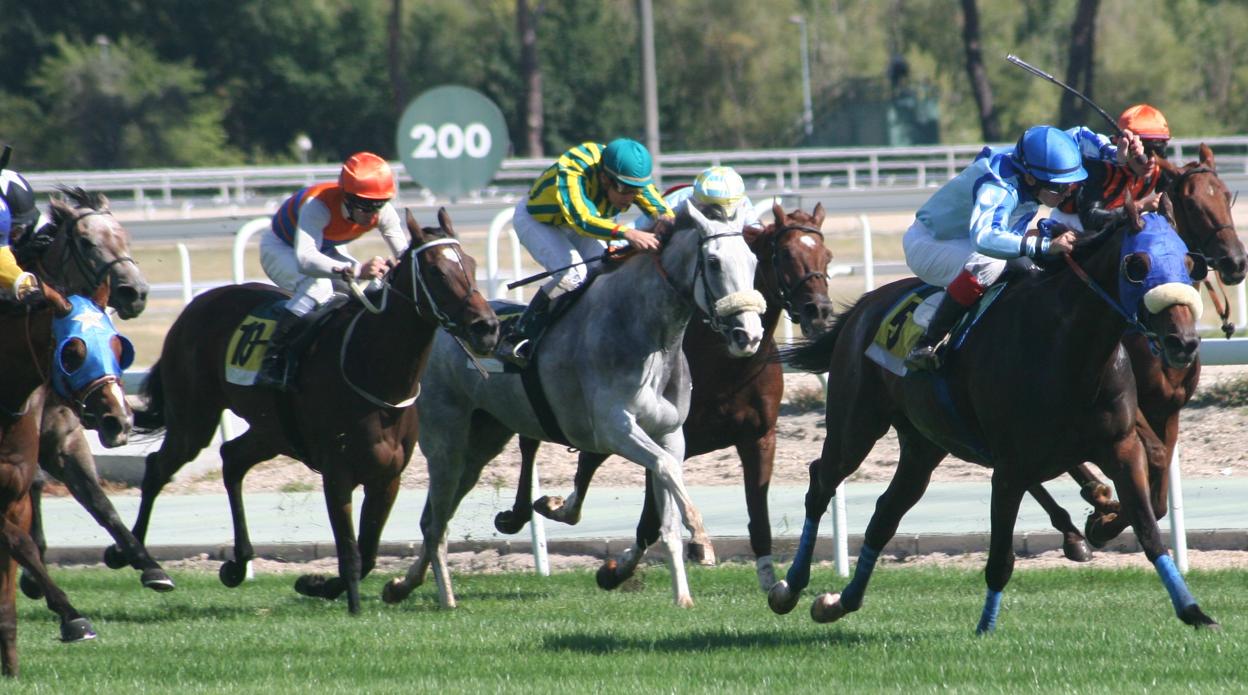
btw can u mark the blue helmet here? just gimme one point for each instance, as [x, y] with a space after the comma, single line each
[628, 162]
[1050, 154]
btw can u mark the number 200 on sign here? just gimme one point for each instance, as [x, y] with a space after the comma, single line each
[449, 141]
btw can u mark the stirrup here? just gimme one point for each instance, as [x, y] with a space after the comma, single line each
[518, 354]
[925, 358]
[265, 377]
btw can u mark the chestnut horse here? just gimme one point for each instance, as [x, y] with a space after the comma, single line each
[351, 419]
[1040, 385]
[1202, 214]
[735, 400]
[25, 352]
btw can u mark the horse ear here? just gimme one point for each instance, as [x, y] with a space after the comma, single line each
[1167, 208]
[60, 305]
[1206, 156]
[413, 227]
[818, 214]
[444, 219]
[1167, 167]
[696, 215]
[778, 212]
[1133, 210]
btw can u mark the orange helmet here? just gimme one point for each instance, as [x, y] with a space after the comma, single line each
[365, 175]
[1145, 121]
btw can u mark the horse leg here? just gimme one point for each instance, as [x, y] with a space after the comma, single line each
[338, 488]
[615, 571]
[30, 587]
[1128, 469]
[14, 537]
[183, 441]
[515, 519]
[1007, 496]
[919, 457]
[1074, 545]
[1103, 526]
[8, 615]
[757, 459]
[568, 511]
[375, 510]
[237, 457]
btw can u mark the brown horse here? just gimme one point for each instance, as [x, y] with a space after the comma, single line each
[350, 420]
[735, 400]
[25, 352]
[1039, 386]
[83, 246]
[1202, 212]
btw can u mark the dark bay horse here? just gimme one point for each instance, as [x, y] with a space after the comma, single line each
[26, 353]
[1040, 385]
[735, 400]
[1202, 215]
[351, 418]
[83, 247]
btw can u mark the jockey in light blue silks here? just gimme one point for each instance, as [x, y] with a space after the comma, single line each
[963, 236]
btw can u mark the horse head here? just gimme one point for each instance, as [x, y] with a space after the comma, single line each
[87, 366]
[1202, 207]
[794, 266]
[444, 283]
[85, 246]
[721, 266]
[1154, 273]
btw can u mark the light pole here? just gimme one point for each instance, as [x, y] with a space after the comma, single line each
[808, 115]
[304, 144]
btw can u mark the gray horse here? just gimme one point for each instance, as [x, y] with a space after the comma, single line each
[615, 377]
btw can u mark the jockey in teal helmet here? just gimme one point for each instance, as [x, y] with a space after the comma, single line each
[964, 235]
[570, 215]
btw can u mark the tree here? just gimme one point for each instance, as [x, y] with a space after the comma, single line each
[1080, 65]
[531, 76]
[976, 72]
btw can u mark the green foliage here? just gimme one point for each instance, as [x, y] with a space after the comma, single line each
[1232, 393]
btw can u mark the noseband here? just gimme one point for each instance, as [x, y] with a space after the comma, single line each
[712, 317]
[787, 291]
[1182, 211]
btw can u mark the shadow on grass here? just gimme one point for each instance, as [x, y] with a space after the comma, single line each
[603, 643]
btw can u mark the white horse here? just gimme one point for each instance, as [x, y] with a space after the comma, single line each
[614, 375]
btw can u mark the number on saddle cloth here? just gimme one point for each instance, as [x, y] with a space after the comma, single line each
[905, 322]
[250, 340]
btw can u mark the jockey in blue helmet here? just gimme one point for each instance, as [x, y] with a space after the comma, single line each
[570, 215]
[964, 235]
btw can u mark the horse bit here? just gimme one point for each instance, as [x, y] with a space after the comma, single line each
[787, 291]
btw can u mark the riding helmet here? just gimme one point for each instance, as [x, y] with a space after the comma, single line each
[365, 175]
[628, 162]
[1050, 154]
[1145, 121]
[16, 191]
[721, 186]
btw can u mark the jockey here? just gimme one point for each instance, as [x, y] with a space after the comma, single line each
[18, 215]
[303, 252]
[1102, 196]
[719, 194]
[965, 233]
[569, 216]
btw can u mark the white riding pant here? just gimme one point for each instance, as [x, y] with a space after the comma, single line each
[280, 264]
[939, 261]
[556, 247]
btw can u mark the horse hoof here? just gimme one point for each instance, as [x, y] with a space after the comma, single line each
[1194, 616]
[114, 558]
[1094, 530]
[507, 522]
[609, 575]
[320, 586]
[766, 578]
[156, 580]
[232, 573]
[77, 630]
[395, 591]
[550, 507]
[827, 608]
[30, 587]
[780, 599]
[1077, 551]
[701, 553]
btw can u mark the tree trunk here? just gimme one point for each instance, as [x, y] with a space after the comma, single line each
[1081, 64]
[531, 76]
[398, 85]
[975, 70]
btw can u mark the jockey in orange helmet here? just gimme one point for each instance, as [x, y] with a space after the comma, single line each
[1102, 196]
[304, 253]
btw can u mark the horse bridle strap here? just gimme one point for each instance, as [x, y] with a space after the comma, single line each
[1154, 343]
[787, 291]
[342, 369]
[94, 276]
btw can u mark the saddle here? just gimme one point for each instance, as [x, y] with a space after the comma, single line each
[250, 341]
[906, 320]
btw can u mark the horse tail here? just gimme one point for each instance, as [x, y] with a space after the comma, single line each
[150, 418]
[816, 355]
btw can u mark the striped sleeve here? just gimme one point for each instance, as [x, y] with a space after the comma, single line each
[575, 200]
[652, 203]
[991, 232]
[1093, 145]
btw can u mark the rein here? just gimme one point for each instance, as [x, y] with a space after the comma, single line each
[1154, 344]
[787, 291]
[72, 252]
[712, 318]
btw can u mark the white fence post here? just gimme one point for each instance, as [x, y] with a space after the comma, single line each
[240, 244]
[184, 256]
[868, 255]
[1178, 532]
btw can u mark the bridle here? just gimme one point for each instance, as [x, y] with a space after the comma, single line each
[71, 252]
[1221, 305]
[712, 317]
[787, 292]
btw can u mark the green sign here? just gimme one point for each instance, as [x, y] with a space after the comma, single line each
[452, 140]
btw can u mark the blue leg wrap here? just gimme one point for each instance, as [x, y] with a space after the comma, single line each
[851, 597]
[992, 608]
[798, 576]
[1173, 581]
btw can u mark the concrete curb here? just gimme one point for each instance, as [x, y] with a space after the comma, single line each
[726, 548]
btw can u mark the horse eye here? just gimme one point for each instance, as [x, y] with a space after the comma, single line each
[713, 262]
[1135, 267]
[1197, 267]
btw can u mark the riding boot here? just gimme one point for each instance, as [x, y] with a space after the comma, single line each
[517, 346]
[274, 370]
[927, 354]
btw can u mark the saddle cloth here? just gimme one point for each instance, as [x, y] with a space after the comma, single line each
[905, 322]
[250, 342]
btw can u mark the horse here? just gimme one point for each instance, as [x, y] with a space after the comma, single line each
[1039, 385]
[83, 247]
[1202, 213]
[735, 401]
[613, 380]
[26, 352]
[350, 419]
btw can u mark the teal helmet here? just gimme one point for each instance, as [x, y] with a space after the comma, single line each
[628, 162]
[1050, 154]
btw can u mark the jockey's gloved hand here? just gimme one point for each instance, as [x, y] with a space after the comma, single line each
[1061, 244]
[642, 241]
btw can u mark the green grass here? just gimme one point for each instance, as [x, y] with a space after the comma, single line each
[1060, 631]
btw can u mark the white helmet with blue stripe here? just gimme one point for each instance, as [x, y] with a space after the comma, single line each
[719, 186]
